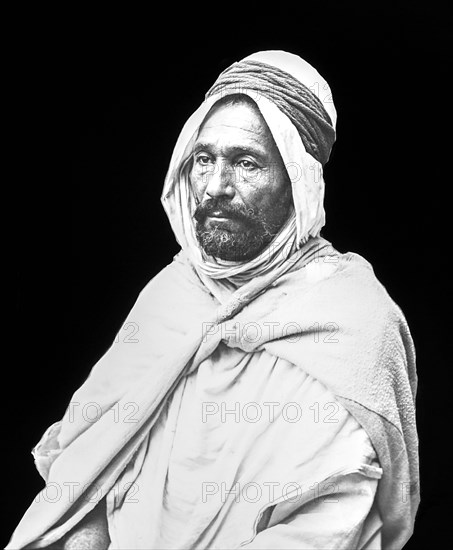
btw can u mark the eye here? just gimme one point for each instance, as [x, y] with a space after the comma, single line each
[247, 164]
[204, 160]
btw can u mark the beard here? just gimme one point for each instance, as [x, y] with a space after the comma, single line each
[241, 234]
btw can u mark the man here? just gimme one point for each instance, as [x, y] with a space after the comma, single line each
[269, 401]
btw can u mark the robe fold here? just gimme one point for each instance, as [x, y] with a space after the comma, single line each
[324, 313]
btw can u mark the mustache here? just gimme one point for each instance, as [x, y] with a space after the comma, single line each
[224, 208]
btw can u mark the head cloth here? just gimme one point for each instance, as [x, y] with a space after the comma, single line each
[296, 103]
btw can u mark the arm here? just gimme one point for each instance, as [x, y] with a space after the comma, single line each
[90, 534]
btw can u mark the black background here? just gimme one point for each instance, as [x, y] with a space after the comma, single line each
[91, 242]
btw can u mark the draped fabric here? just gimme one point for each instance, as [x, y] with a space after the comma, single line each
[196, 303]
[305, 173]
[210, 461]
[292, 97]
[370, 370]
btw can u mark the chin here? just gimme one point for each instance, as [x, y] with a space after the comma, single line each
[230, 246]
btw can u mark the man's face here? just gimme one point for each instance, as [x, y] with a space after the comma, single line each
[240, 182]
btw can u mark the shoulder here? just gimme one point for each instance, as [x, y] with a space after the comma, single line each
[339, 287]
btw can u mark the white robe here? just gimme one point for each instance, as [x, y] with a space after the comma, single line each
[250, 452]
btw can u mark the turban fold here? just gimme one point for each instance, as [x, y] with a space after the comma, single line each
[294, 99]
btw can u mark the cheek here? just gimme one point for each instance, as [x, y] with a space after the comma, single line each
[197, 182]
[273, 196]
[280, 186]
[265, 189]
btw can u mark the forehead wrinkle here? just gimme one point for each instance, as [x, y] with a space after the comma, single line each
[260, 129]
[246, 121]
[259, 145]
[227, 149]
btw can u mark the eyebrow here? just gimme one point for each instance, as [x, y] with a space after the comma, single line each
[234, 149]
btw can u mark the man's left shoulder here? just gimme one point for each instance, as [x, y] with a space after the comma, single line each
[342, 283]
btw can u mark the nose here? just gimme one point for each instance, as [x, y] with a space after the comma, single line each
[220, 181]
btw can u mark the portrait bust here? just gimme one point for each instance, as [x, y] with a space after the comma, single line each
[269, 400]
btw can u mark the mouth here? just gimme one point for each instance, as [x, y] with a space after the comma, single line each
[219, 215]
[218, 219]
